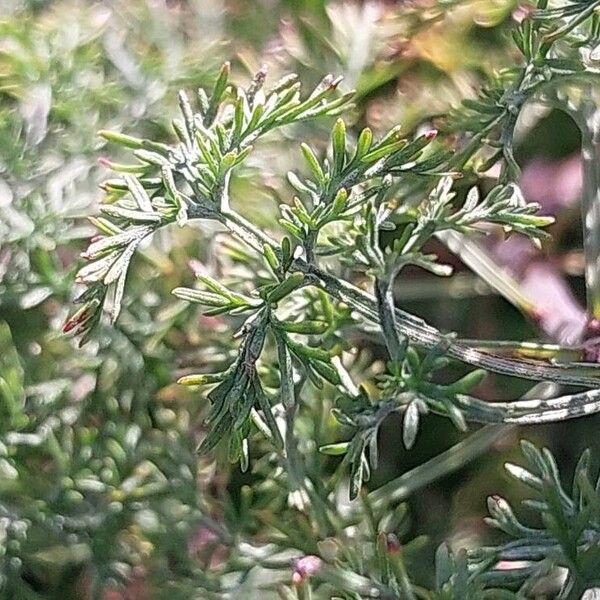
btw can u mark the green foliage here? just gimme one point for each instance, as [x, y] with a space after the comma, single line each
[191, 180]
[63, 76]
[530, 563]
[568, 537]
[238, 482]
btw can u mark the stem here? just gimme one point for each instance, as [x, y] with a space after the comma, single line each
[590, 202]
[415, 329]
[424, 335]
[587, 116]
[535, 350]
[293, 459]
[570, 25]
[477, 259]
[309, 246]
[451, 460]
[574, 588]
[394, 340]
[290, 405]
[528, 412]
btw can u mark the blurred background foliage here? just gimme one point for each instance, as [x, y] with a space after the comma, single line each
[101, 492]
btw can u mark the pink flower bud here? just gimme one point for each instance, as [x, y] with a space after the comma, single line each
[393, 543]
[522, 12]
[498, 504]
[197, 267]
[305, 567]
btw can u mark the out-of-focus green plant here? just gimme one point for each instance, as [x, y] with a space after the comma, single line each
[88, 445]
[62, 77]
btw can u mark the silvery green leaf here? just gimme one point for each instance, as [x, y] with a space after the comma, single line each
[410, 425]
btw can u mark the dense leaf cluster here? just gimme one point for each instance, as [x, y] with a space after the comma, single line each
[293, 300]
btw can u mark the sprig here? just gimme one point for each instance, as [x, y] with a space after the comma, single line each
[352, 187]
[210, 145]
[568, 536]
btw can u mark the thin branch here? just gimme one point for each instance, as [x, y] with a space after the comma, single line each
[590, 202]
[417, 330]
